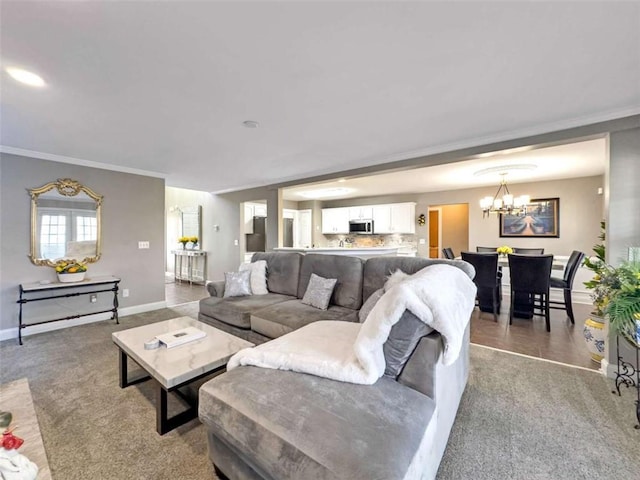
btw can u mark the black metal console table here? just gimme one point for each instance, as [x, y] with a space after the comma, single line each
[626, 372]
[29, 292]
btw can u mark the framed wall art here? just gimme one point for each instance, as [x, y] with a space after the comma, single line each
[541, 220]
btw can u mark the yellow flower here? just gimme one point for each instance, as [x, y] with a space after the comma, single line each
[193, 239]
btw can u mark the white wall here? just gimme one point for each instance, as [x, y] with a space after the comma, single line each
[132, 211]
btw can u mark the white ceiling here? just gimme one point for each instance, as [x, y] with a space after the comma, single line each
[165, 86]
[580, 159]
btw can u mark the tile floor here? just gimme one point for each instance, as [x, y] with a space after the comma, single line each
[563, 344]
[177, 293]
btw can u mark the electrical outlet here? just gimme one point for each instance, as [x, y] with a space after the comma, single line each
[422, 241]
[93, 298]
[143, 244]
[235, 242]
[125, 292]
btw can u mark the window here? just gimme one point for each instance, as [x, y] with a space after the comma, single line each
[59, 227]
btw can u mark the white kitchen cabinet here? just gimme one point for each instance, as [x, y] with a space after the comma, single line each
[360, 213]
[403, 217]
[394, 218]
[248, 218]
[259, 210]
[335, 220]
[381, 215]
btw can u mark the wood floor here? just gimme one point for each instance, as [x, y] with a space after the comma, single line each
[563, 344]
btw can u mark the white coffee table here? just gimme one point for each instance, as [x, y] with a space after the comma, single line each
[175, 367]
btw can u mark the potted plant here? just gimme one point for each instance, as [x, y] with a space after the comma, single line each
[623, 307]
[601, 284]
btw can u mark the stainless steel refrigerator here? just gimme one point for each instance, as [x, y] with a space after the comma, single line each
[287, 225]
[256, 241]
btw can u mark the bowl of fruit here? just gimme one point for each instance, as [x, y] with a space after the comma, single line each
[71, 271]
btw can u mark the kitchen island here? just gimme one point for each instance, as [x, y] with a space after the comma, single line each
[362, 252]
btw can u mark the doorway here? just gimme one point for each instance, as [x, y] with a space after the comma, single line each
[452, 228]
[435, 232]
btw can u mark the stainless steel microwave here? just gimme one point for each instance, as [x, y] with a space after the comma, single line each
[362, 227]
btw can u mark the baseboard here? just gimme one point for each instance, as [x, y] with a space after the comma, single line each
[10, 333]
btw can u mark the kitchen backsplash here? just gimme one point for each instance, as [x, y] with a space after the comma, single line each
[404, 241]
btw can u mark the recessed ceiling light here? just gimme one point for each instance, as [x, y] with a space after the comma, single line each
[26, 77]
[503, 169]
[250, 124]
[326, 192]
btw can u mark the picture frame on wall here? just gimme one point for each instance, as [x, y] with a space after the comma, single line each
[541, 221]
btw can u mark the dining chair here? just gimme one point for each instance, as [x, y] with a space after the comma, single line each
[448, 253]
[486, 249]
[528, 251]
[566, 283]
[530, 283]
[487, 280]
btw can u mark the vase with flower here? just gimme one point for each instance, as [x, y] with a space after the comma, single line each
[183, 241]
[504, 250]
[194, 242]
[13, 465]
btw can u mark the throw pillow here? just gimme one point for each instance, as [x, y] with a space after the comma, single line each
[369, 304]
[258, 276]
[237, 284]
[319, 291]
[403, 340]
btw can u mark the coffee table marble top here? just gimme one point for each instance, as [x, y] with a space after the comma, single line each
[177, 365]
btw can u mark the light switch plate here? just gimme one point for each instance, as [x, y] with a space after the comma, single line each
[143, 244]
[422, 241]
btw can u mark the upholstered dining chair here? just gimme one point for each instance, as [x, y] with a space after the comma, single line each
[530, 282]
[528, 251]
[448, 253]
[487, 280]
[486, 249]
[566, 283]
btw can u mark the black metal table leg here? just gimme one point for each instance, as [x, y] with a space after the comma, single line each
[165, 424]
[124, 377]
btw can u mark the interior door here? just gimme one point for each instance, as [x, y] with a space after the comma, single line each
[434, 233]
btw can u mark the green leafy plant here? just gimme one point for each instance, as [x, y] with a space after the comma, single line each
[624, 304]
[604, 281]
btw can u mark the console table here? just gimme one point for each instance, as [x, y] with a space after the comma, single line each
[31, 292]
[190, 265]
[625, 373]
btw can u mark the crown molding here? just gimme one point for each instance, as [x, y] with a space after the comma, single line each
[78, 161]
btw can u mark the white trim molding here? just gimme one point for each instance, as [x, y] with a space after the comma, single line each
[78, 161]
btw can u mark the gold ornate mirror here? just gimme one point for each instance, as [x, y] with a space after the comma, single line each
[65, 223]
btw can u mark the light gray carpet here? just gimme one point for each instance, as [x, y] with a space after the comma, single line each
[519, 419]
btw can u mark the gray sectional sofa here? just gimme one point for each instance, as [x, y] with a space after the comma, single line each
[272, 424]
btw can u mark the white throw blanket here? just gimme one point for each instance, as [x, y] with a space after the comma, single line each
[442, 296]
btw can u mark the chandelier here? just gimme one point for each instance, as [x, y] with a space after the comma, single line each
[507, 203]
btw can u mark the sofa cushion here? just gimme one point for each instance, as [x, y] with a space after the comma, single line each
[237, 284]
[376, 270]
[403, 340]
[283, 271]
[346, 269]
[319, 291]
[258, 278]
[236, 310]
[312, 427]
[369, 304]
[276, 320]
